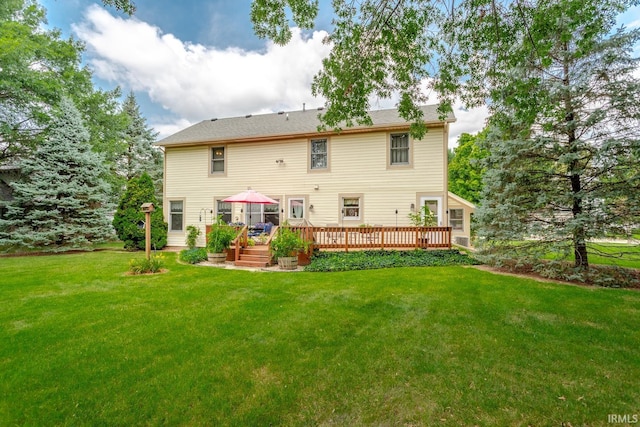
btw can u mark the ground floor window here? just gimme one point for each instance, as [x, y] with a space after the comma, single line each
[456, 219]
[272, 213]
[296, 208]
[176, 215]
[351, 208]
[256, 212]
[224, 209]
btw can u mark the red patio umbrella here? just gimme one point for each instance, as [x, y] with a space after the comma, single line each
[250, 196]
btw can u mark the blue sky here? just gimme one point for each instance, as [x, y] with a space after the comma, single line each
[192, 60]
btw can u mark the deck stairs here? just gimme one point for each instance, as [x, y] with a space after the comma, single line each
[254, 256]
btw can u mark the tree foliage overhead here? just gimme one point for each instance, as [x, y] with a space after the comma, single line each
[36, 68]
[63, 202]
[126, 6]
[385, 47]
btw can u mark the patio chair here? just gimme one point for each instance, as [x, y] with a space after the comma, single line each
[268, 227]
[257, 230]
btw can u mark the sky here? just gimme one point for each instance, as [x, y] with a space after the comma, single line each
[193, 60]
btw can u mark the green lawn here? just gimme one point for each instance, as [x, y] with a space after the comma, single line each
[81, 343]
[620, 254]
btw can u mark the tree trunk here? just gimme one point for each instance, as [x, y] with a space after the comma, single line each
[579, 241]
[579, 234]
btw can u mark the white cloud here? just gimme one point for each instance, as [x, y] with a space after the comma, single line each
[196, 82]
[470, 120]
[170, 126]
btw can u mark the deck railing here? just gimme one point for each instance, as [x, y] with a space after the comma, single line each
[377, 237]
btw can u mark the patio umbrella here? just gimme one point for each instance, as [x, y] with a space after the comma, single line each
[250, 197]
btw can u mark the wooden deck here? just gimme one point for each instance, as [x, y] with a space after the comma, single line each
[379, 237]
[349, 238]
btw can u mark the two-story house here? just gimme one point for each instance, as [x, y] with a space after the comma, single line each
[374, 174]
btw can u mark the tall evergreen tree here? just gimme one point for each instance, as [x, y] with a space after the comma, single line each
[129, 217]
[565, 135]
[139, 155]
[62, 202]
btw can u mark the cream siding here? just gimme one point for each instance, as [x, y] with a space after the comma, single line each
[357, 164]
[468, 210]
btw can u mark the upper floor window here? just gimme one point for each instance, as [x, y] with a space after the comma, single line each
[319, 154]
[217, 159]
[399, 150]
[176, 215]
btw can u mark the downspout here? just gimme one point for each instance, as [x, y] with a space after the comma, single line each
[445, 193]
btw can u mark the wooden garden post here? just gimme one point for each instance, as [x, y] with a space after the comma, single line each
[147, 208]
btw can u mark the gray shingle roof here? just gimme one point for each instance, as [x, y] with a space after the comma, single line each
[279, 125]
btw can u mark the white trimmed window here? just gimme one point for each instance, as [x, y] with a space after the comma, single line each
[296, 208]
[399, 153]
[176, 215]
[351, 208]
[224, 209]
[456, 219]
[319, 154]
[217, 160]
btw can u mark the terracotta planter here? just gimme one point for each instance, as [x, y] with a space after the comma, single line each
[217, 258]
[288, 263]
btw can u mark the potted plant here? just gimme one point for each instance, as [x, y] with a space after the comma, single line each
[285, 247]
[219, 239]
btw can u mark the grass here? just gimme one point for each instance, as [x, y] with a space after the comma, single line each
[618, 254]
[82, 343]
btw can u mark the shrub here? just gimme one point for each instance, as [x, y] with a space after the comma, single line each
[129, 216]
[368, 260]
[193, 233]
[144, 265]
[193, 256]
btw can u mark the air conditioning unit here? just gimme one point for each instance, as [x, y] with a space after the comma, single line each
[462, 241]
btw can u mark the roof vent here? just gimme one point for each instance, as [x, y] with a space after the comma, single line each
[320, 108]
[247, 116]
[214, 119]
[280, 112]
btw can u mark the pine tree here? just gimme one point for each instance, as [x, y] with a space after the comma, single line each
[564, 141]
[62, 202]
[129, 218]
[139, 154]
